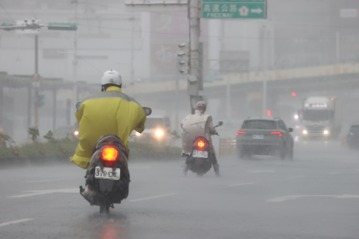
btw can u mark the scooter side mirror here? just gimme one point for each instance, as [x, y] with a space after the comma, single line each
[220, 123]
[148, 111]
[290, 130]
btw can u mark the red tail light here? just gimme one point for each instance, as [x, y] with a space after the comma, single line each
[201, 144]
[277, 133]
[241, 132]
[109, 155]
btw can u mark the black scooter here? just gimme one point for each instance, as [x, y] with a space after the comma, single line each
[108, 174]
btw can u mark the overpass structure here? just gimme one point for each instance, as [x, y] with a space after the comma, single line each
[237, 96]
[306, 75]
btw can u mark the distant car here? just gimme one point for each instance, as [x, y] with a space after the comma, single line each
[352, 137]
[264, 137]
[157, 130]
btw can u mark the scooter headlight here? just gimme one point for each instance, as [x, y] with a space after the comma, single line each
[326, 132]
[305, 132]
[76, 133]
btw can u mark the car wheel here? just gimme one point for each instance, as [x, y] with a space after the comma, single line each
[281, 153]
[242, 154]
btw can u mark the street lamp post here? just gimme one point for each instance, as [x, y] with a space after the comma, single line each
[36, 81]
[34, 26]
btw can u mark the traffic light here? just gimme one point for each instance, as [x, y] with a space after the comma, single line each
[183, 59]
[269, 113]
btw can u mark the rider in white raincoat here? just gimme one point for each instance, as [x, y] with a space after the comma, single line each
[195, 125]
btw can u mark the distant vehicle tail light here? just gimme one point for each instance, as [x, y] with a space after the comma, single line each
[201, 144]
[241, 132]
[109, 155]
[277, 133]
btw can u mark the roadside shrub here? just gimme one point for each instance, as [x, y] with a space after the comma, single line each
[62, 150]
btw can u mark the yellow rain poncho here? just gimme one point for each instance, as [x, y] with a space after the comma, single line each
[110, 112]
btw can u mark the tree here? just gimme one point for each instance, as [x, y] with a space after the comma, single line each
[34, 133]
[4, 139]
[49, 136]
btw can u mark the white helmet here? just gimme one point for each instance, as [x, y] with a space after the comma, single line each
[201, 105]
[111, 77]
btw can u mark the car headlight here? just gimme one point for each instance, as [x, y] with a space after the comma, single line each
[326, 132]
[296, 117]
[159, 133]
[76, 133]
[305, 132]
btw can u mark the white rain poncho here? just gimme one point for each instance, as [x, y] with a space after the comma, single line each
[194, 125]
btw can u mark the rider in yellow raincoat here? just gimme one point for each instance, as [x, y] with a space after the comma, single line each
[110, 112]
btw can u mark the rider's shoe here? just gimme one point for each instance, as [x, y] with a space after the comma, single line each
[88, 193]
[185, 169]
[216, 169]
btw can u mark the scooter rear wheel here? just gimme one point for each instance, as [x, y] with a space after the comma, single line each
[104, 209]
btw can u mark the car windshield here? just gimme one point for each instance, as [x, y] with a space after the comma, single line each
[317, 115]
[154, 122]
[259, 124]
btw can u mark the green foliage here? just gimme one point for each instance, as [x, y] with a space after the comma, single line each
[5, 140]
[9, 154]
[34, 133]
[49, 136]
[62, 150]
[54, 150]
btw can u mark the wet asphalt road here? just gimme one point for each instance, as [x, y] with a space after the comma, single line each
[314, 196]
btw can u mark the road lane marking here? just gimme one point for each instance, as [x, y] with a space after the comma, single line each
[44, 181]
[294, 197]
[296, 177]
[133, 167]
[153, 197]
[76, 190]
[45, 192]
[240, 184]
[15, 222]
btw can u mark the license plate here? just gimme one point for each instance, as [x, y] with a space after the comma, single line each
[258, 136]
[107, 173]
[200, 154]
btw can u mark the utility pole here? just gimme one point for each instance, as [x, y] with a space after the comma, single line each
[75, 61]
[194, 76]
[36, 81]
[195, 83]
[132, 70]
[264, 67]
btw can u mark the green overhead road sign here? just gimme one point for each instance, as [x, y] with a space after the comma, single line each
[242, 9]
[62, 26]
